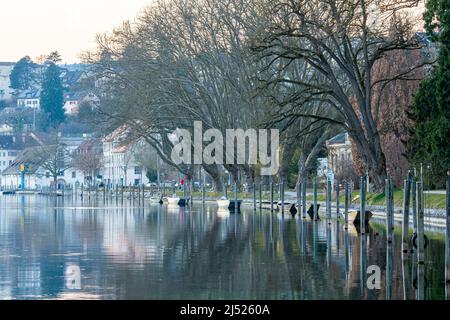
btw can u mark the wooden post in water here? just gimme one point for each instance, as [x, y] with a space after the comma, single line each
[447, 238]
[405, 223]
[420, 224]
[121, 193]
[316, 214]
[338, 214]
[362, 206]
[389, 194]
[271, 196]
[282, 196]
[328, 200]
[346, 204]
[304, 198]
[254, 196]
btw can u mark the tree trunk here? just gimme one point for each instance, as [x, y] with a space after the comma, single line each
[214, 173]
[372, 157]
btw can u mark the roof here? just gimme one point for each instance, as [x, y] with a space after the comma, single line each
[21, 141]
[28, 156]
[119, 134]
[29, 94]
[339, 139]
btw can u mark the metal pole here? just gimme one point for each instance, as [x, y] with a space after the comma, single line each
[254, 196]
[235, 197]
[304, 198]
[389, 209]
[405, 224]
[203, 193]
[299, 194]
[337, 200]
[447, 237]
[271, 196]
[315, 199]
[362, 209]
[413, 200]
[282, 196]
[420, 224]
[328, 200]
[260, 194]
[346, 204]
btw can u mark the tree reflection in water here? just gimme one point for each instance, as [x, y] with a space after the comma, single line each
[160, 252]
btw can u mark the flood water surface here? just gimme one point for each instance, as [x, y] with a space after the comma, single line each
[69, 250]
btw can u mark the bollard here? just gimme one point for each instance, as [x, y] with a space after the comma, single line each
[328, 200]
[315, 199]
[337, 200]
[362, 207]
[389, 194]
[420, 224]
[254, 196]
[282, 196]
[346, 204]
[304, 198]
[405, 223]
[271, 196]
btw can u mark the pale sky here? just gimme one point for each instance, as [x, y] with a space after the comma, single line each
[35, 27]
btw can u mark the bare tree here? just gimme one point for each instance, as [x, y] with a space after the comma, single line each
[339, 41]
[54, 158]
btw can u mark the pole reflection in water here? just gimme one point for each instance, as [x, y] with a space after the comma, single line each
[405, 276]
[197, 252]
[389, 271]
[362, 264]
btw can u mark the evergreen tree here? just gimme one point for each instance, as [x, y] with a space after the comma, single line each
[22, 75]
[52, 99]
[430, 143]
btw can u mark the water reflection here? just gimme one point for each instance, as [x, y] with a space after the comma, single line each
[82, 250]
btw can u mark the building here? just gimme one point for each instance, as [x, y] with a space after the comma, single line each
[73, 100]
[339, 149]
[29, 99]
[119, 163]
[5, 71]
[36, 176]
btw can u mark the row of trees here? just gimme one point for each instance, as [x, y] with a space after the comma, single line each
[304, 66]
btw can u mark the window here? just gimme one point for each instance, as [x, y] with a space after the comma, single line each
[137, 170]
[136, 182]
[74, 174]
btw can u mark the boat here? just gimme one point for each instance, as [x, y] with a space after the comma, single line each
[173, 201]
[223, 203]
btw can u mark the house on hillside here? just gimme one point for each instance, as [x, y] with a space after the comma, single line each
[29, 99]
[73, 100]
